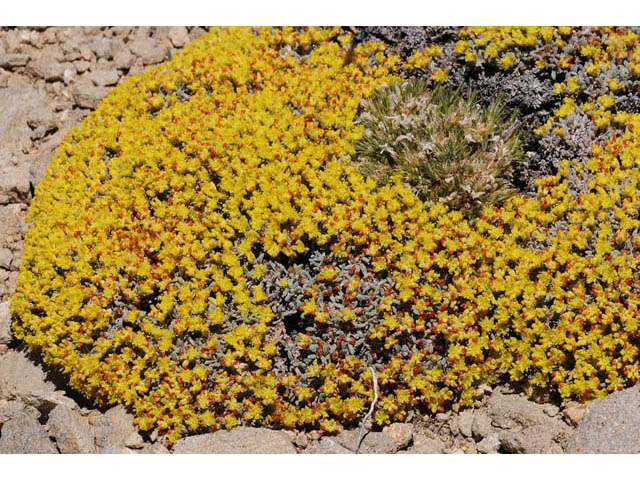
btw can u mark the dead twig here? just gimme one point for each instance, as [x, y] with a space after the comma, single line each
[368, 415]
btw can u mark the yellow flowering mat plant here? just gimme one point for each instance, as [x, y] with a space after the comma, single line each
[203, 251]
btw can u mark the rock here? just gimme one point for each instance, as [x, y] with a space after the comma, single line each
[113, 430]
[239, 440]
[122, 57]
[87, 95]
[82, 65]
[72, 432]
[49, 68]
[490, 444]
[551, 410]
[10, 61]
[5, 254]
[134, 440]
[21, 379]
[329, 446]
[45, 401]
[301, 440]
[525, 426]
[609, 425]
[24, 435]
[156, 448]
[574, 412]
[102, 47]
[423, 444]
[373, 442]
[196, 33]
[148, 50]
[4, 81]
[23, 108]
[401, 433]
[15, 187]
[179, 36]
[103, 77]
[481, 426]
[465, 421]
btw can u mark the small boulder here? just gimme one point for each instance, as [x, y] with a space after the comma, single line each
[372, 442]
[72, 432]
[327, 446]
[179, 36]
[525, 428]
[5, 324]
[481, 426]
[609, 425]
[21, 379]
[9, 61]
[490, 444]
[574, 412]
[24, 435]
[148, 50]
[103, 78]
[401, 433]
[102, 47]
[15, 187]
[465, 421]
[423, 444]
[239, 440]
[113, 430]
[87, 95]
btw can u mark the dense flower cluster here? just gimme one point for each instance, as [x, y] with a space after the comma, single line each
[202, 251]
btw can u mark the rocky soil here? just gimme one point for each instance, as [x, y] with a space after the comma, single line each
[50, 78]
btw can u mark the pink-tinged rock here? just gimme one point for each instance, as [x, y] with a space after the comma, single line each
[609, 425]
[179, 36]
[239, 440]
[24, 435]
[72, 431]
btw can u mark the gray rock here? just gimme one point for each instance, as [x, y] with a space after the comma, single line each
[423, 444]
[21, 379]
[10, 61]
[465, 421]
[156, 449]
[196, 33]
[5, 254]
[23, 108]
[610, 425]
[82, 65]
[5, 324]
[481, 426]
[103, 78]
[373, 442]
[490, 444]
[134, 440]
[327, 446]
[179, 36]
[102, 47]
[49, 68]
[301, 440]
[574, 412]
[239, 440]
[113, 430]
[400, 433]
[122, 57]
[15, 187]
[526, 428]
[87, 95]
[148, 50]
[24, 435]
[72, 432]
